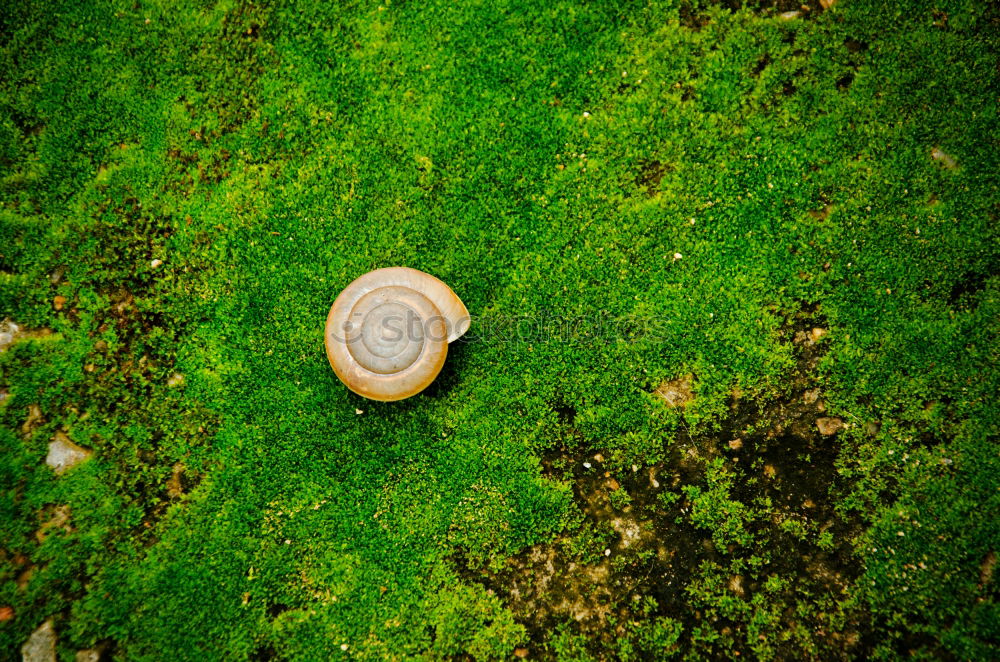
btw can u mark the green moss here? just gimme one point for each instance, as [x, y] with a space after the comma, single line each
[197, 182]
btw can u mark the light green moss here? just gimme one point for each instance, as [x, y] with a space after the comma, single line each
[545, 160]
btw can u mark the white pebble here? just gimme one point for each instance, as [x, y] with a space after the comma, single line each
[607, 552]
[586, 465]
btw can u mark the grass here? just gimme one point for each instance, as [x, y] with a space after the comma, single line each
[708, 181]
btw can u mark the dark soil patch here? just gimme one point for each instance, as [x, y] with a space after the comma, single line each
[692, 14]
[651, 173]
[964, 294]
[640, 542]
[761, 65]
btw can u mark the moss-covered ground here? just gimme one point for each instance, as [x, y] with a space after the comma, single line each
[731, 386]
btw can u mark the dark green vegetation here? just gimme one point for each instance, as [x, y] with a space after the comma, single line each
[834, 171]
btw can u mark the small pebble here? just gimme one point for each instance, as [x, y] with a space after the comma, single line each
[607, 552]
[8, 331]
[829, 425]
[155, 263]
[88, 655]
[64, 453]
[946, 160]
[41, 645]
[586, 465]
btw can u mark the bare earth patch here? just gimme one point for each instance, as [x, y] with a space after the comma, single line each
[646, 545]
[676, 392]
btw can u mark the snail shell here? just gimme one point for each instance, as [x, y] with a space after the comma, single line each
[387, 333]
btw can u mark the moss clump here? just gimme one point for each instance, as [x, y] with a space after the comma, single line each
[625, 195]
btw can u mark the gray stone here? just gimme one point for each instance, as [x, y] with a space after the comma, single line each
[8, 332]
[41, 645]
[64, 454]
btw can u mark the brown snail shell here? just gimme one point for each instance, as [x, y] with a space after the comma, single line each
[387, 333]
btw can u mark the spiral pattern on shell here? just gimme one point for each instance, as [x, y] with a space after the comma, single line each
[387, 333]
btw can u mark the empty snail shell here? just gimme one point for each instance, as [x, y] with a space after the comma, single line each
[387, 333]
